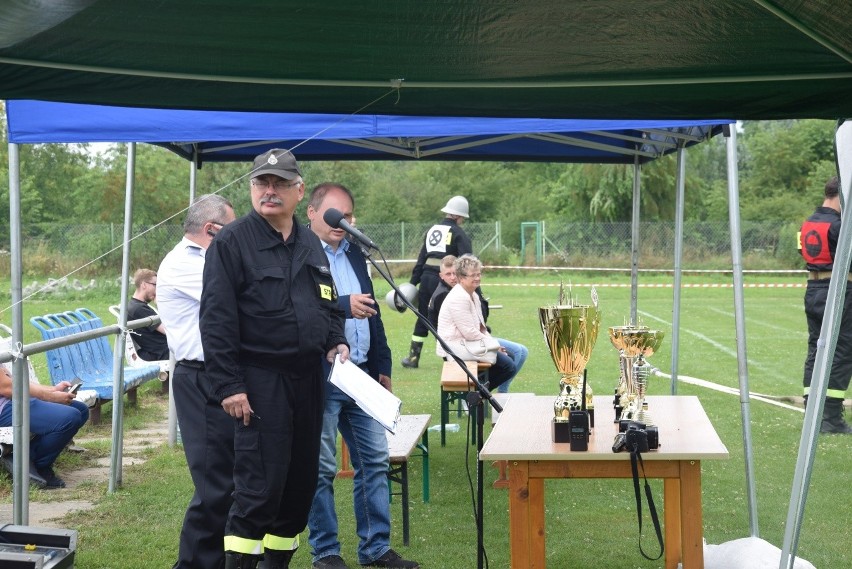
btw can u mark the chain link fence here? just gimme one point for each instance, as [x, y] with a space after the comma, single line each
[58, 249]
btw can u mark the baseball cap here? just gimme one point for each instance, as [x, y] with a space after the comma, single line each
[278, 162]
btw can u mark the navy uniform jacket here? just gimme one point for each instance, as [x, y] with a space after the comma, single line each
[379, 355]
[459, 244]
[819, 239]
[264, 306]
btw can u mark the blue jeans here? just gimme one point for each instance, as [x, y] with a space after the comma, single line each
[368, 451]
[53, 424]
[518, 354]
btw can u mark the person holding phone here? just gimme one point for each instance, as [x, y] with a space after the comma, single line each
[55, 417]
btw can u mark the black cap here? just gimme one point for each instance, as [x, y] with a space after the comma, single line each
[278, 162]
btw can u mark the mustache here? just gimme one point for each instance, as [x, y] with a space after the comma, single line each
[271, 199]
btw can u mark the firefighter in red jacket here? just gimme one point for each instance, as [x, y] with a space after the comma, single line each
[818, 245]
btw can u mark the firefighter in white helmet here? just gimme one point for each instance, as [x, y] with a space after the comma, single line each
[444, 238]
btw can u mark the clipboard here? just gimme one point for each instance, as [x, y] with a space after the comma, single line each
[368, 394]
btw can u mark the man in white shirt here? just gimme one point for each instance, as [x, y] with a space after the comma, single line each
[207, 431]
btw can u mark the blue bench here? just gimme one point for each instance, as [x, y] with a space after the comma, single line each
[90, 361]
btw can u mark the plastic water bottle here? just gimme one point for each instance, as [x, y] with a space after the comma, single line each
[449, 427]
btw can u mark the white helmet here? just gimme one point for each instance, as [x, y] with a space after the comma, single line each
[393, 300]
[457, 205]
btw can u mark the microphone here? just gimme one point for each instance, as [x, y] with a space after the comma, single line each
[334, 218]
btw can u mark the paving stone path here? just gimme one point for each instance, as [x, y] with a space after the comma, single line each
[49, 514]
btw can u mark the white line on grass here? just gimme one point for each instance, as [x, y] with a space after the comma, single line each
[716, 386]
[753, 321]
[730, 390]
[721, 347]
[654, 285]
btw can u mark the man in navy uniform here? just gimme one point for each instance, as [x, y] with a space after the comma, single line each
[268, 316]
[818, 245]
[442, 239]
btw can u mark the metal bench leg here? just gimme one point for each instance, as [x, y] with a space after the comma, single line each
[445, 416]
[424, 446]
[95, 413]
[405, 503]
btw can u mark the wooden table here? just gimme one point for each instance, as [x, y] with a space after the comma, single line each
[523, 438]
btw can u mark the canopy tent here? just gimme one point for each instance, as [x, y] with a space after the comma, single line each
[679, 141]
[649, 59]
[762, 59]
[239, 136]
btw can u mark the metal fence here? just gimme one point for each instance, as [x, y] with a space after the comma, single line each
[530, 243]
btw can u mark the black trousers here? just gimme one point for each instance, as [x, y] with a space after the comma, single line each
[429, 281]
[207, 432]
[841, 367]
[277, 455]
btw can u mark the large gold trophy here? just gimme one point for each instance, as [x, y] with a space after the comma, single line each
[634, 344]
[570, 331]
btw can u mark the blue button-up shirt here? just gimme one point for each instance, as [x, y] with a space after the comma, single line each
[357, 330]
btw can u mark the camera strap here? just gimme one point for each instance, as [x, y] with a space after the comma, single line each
[634, 458]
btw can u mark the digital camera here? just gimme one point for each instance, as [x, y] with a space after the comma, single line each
[636, 436]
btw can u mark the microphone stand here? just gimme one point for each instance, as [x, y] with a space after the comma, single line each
[475, 400]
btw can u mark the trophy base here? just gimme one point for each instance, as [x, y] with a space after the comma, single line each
[560, 431]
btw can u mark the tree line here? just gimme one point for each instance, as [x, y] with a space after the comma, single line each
[783, 167]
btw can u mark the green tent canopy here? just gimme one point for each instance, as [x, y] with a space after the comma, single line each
[610, 59]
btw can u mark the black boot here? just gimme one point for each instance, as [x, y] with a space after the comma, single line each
[832, 417]
[241, 560]
[277, 559]
[413, 359]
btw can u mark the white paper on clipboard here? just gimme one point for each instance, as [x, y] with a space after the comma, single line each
[367, 393]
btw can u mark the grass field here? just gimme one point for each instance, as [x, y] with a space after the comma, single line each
[589, 523]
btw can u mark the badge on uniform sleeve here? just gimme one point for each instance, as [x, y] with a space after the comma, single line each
[325, 292]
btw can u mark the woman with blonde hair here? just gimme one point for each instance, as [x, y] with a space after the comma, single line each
[461, 320]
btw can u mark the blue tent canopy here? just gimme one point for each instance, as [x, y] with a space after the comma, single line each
[219, 136]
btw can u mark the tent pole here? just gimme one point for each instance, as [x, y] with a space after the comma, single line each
[824, 356]
[634, 237]
[193, 173]
[678, 259]
[118, 352]
[172, 413]
[20, 381]
[739, 313]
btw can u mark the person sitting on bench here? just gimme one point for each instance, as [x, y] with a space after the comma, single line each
[447, 274]
[55, 417]
[151, 340]
[460, 318]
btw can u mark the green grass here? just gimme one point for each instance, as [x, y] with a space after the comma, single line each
[590, 523]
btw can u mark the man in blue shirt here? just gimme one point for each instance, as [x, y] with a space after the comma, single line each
[365, 437]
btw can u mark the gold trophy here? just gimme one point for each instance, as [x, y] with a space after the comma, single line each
[634, 344]
[570, 331]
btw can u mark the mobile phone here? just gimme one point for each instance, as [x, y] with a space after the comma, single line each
[74, 388]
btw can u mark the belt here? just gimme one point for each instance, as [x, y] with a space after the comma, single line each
[433, 262]
[194, 364]
[821, 275]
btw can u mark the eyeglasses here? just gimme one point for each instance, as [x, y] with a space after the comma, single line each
[471, 276]
[279, 186]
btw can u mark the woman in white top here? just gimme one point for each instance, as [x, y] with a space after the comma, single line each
[461, 318]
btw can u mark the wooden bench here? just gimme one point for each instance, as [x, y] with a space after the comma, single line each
[455, 386]
[411, 433]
